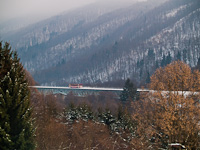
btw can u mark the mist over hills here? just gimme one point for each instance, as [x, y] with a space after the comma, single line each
[101, 43]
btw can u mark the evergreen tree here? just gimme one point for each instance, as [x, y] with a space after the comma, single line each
[179, 56]
[148, 79]
[168, 59]
[163, 61]
[198, 63]
[107, 117]
[129, 91]
[16, 130]
[125, 119]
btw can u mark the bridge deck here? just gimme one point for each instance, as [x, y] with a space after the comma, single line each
[92, 90]
[79, 91]
[82, 88]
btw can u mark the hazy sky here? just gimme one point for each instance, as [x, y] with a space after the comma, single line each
[10, 9]
[22, 8]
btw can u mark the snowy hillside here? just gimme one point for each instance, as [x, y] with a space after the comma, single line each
[97, 44]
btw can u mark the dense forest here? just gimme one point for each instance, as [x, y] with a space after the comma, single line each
[104, 43]
[145, 121]
[166, 118]
[153, 44]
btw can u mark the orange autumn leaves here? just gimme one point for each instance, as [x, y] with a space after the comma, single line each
[176, 76]
[166, 116]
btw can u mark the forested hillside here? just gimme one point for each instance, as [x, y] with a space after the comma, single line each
[98, 44]
[165, 117]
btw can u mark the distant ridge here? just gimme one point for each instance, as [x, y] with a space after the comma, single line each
[95, 45]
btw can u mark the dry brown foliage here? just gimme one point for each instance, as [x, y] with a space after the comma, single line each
[90, 135]
[169, 117]
[103, 100]
[52, 133]
[176, 76]
[144, 115]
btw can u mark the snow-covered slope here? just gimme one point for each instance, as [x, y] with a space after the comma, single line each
[98, 45]
[179, 39]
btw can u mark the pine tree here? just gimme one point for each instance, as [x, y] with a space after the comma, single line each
[108, 118]
[148, 79]
[129, 91]
[125, 120]
[178, 56]
[163, 61]
[168, 59]
[16, 129]
[198, 63]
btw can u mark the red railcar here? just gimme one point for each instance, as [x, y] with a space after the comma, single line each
[75, 85]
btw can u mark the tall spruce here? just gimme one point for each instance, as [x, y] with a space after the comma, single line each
[16, 129]
[129, 91]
